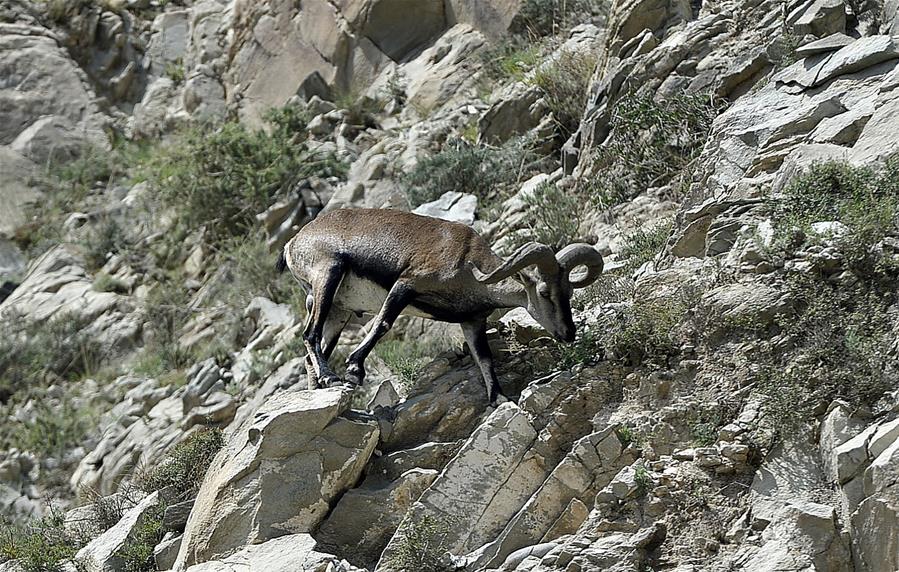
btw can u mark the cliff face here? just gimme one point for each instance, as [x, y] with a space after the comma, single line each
[731, 402]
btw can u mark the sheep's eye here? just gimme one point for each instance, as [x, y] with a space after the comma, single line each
[543, 290]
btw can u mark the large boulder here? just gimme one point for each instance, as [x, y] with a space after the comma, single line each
[397, 27]
[293, 553]
[40, 79]
[278, 473]
[874, 526]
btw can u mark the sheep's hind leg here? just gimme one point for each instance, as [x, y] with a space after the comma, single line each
[397, 299]
[476, 337]
[323, 291]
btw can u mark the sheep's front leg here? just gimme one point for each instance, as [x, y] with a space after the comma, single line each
[324, 287]
[397, 299]
[476, 337]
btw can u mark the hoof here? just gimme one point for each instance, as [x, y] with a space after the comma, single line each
[498, 400]
[355, 374]
[329, 380]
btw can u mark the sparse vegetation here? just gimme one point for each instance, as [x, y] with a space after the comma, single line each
[220, 178]
[166, 311]
[782, 50]
[185, 465]
[841, 335]
[251, 273]
[865, 201]
[643, 480]
[43, 545]
[564, 82]
[175, 70]
[545, 17]
[651, 143]
[487, 172]
[553, 217]
[511, 59]
[423, 546]
[707, 420]
[406, 358]
[105, 283]
[137, 552]
[644, 244]
[35, 353]
[52, 428]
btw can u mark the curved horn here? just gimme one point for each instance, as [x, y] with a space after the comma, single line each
[526, 255]
[581, 254]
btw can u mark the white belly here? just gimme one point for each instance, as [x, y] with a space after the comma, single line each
[364, 296]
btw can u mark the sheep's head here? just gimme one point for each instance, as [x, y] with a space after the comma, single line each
[549, 281]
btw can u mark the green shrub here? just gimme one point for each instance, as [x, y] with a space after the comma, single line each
[644, 244]
[865, 201]
[175, 70]
[642, 479]
[406, 358]
[782, 50]
[643, 331]
[220, 178]
[41, 546]
[553, 217]
[185, 465]
[841, 336]
[646, 330]
[487, 172]
[564, 83]
[650, 143]
[102, 240]
[422, 546]
[103, 282]
[705, 423]
[32, 353]
[511, 59]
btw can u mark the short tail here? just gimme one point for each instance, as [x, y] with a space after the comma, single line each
[281, 265]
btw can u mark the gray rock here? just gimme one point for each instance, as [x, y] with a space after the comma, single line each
[398, 27]
[518, 109]
[862, 53]
[40, 79]
[292, 553]
[278, 473]
[830, 43]
[878, 138]
[168, 42]
[452, 206]
[175, 516]
[821, 18]
[165, 553]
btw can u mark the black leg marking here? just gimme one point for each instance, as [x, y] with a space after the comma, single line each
[476, 337]
[323, 291]
[397, 299]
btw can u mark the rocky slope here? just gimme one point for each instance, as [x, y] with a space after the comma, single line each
[732, 400]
